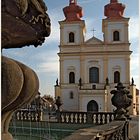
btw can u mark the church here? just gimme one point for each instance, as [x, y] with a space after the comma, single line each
[90, 69]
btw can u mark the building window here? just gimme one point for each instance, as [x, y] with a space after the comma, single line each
[71, 95]
[71, 37]
[116, 36]
[71, 77]
[94, 75]
[116, 77]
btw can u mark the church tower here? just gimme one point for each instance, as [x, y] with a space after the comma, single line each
[72, 28]
[115, 26]
[90, 69]
[116, 38]
[72, 31]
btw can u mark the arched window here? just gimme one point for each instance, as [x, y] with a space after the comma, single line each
[116, 77]
[71, 77]
[94, 75]
[116, 36]
[71, 37]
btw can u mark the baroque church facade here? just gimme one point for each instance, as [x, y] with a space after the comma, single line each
[90, 69]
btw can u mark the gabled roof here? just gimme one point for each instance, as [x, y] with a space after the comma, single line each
[94, 40]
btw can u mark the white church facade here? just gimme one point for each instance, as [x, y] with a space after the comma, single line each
[90, 69]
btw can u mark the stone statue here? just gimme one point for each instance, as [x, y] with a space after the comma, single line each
[24, 22]
[132, 83]
[121, 100]
[80, 82]
[107, 81]
[58, 103]
[57, 82]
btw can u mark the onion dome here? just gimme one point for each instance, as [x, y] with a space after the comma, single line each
[114, 10]
[73, 12]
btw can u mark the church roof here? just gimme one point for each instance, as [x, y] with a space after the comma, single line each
[94, 40]
[114, 10]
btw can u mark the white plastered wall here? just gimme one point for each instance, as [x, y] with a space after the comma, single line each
[72, 65]
[68, 103]
[75, 28]
[87, 98]
[115, 27]
[116, 64]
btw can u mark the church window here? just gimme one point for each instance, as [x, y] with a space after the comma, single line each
[71, 37]
[71, 77]
[116, 36]
[94, 75]
[116, 77]
[71, 95]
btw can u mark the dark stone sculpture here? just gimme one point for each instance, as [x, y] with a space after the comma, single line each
[80, 83]
[56, 82]
[58, 103]
[24, 22]
[107, 81]
[132, 82]
[121, 100]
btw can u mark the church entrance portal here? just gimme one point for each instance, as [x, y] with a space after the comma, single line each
[92, 106]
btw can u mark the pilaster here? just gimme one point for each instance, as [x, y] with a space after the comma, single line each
[133, 105]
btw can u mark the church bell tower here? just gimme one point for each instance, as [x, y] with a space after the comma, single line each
[72, 28]
[116, 38]
[115, 26]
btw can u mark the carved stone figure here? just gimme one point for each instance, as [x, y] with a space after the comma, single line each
[107, 81]
[121, 100]
[58, 103]
[132, 82]
[24, 22]
[57, 82]
[80, 83]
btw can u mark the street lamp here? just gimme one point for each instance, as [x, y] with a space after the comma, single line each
[50, 110]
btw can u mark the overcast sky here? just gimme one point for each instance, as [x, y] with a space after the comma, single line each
[44, 60]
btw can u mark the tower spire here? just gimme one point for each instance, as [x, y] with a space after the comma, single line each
[113, 1]
[73, 12]
[114, 9]
[73, 1]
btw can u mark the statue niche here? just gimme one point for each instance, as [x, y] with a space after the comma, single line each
[24, 22]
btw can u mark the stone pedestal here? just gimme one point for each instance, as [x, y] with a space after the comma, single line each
[19, 86]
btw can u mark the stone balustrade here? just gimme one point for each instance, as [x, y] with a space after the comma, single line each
[97, 118]
[28, 115]
[86, 117]
[115, 130]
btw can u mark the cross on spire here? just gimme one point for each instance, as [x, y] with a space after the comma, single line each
[93, 31]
